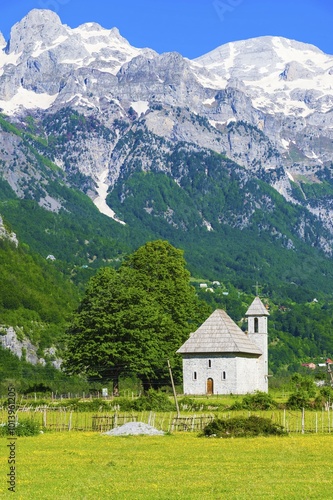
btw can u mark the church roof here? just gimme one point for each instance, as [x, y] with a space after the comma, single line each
[219, 334]
[257, 308]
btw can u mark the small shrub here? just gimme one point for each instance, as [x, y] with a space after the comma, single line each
[25, 427]
[125, 404]
[94, 405]
[257, 401]
[325, 395]
[298, 400]
[189, 404]
[153, 400]
[243, 427]
[304, 384]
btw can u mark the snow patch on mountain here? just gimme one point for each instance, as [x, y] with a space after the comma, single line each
[140, 107]
[290, 176]
[40, 47]
[209, 101]
[100, 201]
[26, 99]
[6, 59]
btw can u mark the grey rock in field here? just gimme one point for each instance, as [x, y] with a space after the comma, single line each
[134, 428]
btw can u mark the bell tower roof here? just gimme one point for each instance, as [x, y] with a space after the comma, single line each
[257, 308]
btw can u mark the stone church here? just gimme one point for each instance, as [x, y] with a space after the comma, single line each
[219, 358]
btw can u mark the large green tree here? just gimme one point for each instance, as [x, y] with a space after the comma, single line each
[134, 319]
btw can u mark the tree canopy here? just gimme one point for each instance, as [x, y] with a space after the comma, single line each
[132, 320]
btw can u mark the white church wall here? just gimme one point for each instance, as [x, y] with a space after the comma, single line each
[230, 374]
[198, 369]
[246, 375]
[261, 341]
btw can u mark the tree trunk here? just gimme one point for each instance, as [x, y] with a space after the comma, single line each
[146, 384]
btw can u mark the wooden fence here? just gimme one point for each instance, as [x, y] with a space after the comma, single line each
[60, 419]
[193, 423]
[103, 423]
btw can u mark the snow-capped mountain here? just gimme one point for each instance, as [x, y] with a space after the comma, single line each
[280, 75]
[43, 56]
[266, 81]
[266, 103]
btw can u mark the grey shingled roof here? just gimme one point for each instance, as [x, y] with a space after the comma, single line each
[257, 308]
[219, 334]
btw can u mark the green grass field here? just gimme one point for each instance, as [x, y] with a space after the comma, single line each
[79, 465]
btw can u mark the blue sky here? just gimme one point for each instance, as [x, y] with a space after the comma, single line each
[191, 27]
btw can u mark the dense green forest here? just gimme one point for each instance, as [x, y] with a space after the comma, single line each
[33, 292]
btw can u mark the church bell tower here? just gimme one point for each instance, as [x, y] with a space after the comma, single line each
[257, 315]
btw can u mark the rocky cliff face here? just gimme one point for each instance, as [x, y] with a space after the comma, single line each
[7, 234]
[23, 348]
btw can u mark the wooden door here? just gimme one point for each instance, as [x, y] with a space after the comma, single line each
[210, 386]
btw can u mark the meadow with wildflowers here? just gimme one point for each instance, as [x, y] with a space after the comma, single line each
[84, 465]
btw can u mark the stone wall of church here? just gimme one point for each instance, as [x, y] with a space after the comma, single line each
[230, 374]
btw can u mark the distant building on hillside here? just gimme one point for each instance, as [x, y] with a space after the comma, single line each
[312, 366]
[219, 358]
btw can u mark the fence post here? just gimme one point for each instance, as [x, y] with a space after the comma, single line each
[303, 420]
[329, 419]
[169, 426]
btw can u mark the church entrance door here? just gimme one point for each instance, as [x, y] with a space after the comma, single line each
[210, 386]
